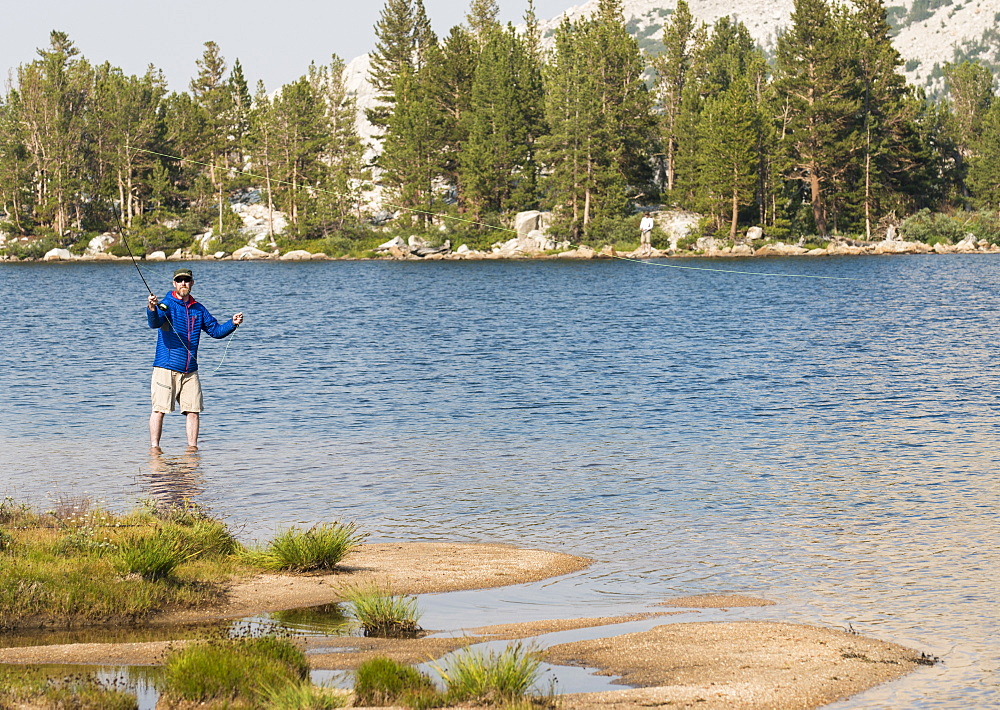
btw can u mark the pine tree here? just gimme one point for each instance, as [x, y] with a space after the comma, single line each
[16, 196]
[212, 95]
[984, 168]
[123, 124]
[673, 68]
[338, 193]
[300, 138]
[263, 157]
[482, 19]
[186, 128]
[497, 167]
[970, 90]
[404, 39]
[411, 156]
[532, 33]
[570, 150]
[970, 94]
[813, 71]
[238, 119]
[449, 73]
[720, 59]
[54, 92]
[886, 126]
[599, 114]
[728, 151]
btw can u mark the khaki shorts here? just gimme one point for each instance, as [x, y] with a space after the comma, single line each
[170, 388]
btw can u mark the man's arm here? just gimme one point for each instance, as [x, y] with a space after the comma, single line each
[220, 330]
[153, 316]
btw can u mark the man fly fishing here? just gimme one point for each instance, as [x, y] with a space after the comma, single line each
[180, 320]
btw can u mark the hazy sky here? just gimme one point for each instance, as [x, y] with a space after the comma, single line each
[274, 40]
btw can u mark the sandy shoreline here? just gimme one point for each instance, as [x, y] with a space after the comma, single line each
[703, 664]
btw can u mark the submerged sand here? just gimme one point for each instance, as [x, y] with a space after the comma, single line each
[703, 665]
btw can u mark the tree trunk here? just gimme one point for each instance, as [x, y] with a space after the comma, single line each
[670, 165]
[868, 183]
[736, 207]
[818, 209]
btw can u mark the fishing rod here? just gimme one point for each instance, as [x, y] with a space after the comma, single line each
[503, 229]
[161, 306]
[121, 231]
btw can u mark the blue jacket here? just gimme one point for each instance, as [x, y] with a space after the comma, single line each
[177, 346]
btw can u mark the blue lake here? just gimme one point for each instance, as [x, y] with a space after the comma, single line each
[831, 445]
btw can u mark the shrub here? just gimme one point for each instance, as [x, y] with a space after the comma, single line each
[157, 237]
[985, 225]
[32, 249]
[382, 681]
[931, 228]
[246, 669]
[382, 614]
[486, 676]
[321, 547]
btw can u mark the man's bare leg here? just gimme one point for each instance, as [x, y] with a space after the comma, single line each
[193, 421]
[155, 429]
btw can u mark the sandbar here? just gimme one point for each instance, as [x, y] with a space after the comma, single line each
[705, 665]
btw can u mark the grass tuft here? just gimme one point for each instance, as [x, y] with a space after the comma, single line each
[321, 547]
[493, 678]
[383, 681]
[39, 687]
[153, 557]
[303, 696]
[380, 613]
[243, 670]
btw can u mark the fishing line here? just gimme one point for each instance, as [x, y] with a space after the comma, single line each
[733, 271]
[163, 306]
[502, 229]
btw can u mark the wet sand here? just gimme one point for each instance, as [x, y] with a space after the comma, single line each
[407, 568]
[704, 665]
[735, 665]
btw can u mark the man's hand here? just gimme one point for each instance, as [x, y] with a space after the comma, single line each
[238, 318]
[152, 302]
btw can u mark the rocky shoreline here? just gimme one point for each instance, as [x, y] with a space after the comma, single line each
[532, 241]
[516, 250]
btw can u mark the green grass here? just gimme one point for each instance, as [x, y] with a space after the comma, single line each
[320, 548]
[492, 678]
[241, 672]
[79, 565]
[383, 681]
[153, 557]
[380, 613]
[303, 696]
[34, 687]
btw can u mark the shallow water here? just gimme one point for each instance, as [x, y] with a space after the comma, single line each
[830, 445]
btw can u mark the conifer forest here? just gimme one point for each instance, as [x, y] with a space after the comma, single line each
[821, 137]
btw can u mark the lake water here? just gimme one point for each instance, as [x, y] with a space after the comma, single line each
[831, 445]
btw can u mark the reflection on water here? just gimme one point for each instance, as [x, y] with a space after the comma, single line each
[829, 445]
[173, 481]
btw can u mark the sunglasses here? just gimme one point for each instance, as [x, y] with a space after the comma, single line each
[183, 280]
